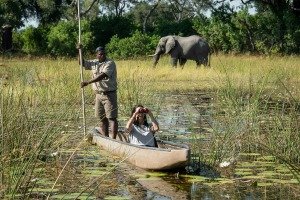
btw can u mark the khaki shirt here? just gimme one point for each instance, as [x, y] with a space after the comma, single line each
[109, 68]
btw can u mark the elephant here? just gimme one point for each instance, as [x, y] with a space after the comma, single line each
[182, 49]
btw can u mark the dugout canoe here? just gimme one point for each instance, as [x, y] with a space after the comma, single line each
[167, 155]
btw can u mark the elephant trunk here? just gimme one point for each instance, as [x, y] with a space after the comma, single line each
[155, 59]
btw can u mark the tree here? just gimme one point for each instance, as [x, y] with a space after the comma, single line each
[12, 12]
[116, 7]
[153, 15]
[142, 13]
[105, 27]
[283, 11]
[149, 13]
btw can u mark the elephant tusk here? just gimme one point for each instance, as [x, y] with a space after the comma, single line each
[152, 55]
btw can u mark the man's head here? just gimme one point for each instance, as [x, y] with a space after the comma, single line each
[100, 53]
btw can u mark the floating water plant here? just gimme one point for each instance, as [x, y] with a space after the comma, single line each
[79, 196]
[116, 198]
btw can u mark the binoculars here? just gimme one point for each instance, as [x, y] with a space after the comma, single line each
[143, 110]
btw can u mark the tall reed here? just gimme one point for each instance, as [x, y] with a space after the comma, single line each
[260, 113]
[36, 102]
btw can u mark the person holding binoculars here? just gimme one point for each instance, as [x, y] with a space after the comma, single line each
[139, 130]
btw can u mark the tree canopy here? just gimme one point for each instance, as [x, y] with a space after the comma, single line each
[227, 25]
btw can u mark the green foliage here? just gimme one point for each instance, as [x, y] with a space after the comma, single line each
[216, 32]
[242, 32]
[266, 33]
[107, 26]
[274, 29]
[50, 12]
[131, 47]
[292, 35]
[182, 28]
[241, 36]
[63, 38]
[33, 40]
[11, 13]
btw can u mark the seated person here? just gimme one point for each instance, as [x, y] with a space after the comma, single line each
[140, 132]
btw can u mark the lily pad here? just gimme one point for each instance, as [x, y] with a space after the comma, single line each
[243, 170]
[268, 174]
[44, 181]
[194, 179]
[156, 174]
[218, 181]
[249, 154]
[224, 180]
[44, 190]
[89, 160]
[281, 181]
[253, 177]
[150, 174]
[42, 170]
[245, 165]
[73, 196]
[243, 173]
[283, 169]
[264, 163]
[116, 198]
[94, 172]
[68, 150]
[266, 158]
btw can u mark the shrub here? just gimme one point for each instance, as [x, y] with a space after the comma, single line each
[63, 38]
[33, 40]
[131, 47]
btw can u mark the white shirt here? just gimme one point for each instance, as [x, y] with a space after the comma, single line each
[141, 135]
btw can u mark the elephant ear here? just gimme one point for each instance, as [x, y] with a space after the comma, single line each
[170, 44]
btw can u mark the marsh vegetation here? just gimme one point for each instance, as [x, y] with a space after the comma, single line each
[247, 112]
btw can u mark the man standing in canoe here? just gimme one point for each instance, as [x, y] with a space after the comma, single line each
[104, 83]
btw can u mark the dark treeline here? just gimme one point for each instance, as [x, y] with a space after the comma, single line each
[131, 28]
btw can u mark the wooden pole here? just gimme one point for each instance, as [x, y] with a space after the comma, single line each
[81, 70]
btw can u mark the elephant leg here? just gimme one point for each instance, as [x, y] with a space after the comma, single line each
[198, 63]
[205, 62]
[182, 62]
[174, 62]
[201, 61]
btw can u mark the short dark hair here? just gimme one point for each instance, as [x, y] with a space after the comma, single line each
[100, 49]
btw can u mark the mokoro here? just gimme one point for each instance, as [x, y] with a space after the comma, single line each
[167, 155]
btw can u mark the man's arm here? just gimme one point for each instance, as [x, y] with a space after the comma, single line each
[86, 64]
[129, 124]
[96, 79]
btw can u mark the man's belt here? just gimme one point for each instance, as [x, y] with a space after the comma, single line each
[105, 92]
